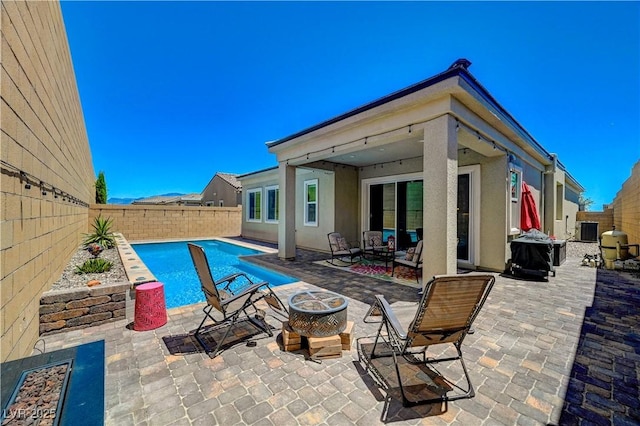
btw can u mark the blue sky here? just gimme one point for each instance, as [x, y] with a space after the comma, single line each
[173, 92]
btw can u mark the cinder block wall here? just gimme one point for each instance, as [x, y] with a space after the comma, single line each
[604, 219]
[42, 134]
[626, 206]
[144, 223]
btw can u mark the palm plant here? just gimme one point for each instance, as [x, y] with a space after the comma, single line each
[101, 234]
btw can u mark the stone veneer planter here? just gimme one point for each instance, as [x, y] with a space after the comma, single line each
[64, 310]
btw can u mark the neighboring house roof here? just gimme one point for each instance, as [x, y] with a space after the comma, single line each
[169, 199]
[230, 178]
[459, 69]
[257, 172]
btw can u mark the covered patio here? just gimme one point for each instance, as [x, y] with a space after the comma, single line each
[441, 156]
[542, 353]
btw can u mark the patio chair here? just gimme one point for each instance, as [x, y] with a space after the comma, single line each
[341, 249]
[372, 241]
[412, 260]
[444, 315]
[231, 296]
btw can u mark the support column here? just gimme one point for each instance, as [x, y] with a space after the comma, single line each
[440, 197]
[287, 218]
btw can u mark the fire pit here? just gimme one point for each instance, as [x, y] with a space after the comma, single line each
[59, 387]
[38, 395]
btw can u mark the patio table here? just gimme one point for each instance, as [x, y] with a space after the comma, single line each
[317, 313]
[384, 253]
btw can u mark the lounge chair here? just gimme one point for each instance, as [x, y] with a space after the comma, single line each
[444, 315]
[232, 296]
[341, 249]
[412, 260]
[372, 241]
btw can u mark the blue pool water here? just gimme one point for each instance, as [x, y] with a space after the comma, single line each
[172, 265]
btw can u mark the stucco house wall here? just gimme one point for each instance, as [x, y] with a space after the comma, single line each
[44, 137]
[220, 190]
[261, 231]
[431, 131]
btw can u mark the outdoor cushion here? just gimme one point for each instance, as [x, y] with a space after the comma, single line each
[375, 241]
[342, 244]
[410, 254]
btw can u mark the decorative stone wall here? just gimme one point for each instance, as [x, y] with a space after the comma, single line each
[64, 310]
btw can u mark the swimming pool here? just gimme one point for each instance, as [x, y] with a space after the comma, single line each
[171, 264]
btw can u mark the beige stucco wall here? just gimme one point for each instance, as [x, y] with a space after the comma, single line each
[337, 206]
[219, 189]
[261, 231]
[315, 237]
[145, 223]
[494, 249]
[43, 134]
[626, 206]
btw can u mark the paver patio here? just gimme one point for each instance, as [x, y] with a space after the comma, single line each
[532, 343]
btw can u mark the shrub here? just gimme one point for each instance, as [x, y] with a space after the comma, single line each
[94, 266]
[101, 189]
[101, 234]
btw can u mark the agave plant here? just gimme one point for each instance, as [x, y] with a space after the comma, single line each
[93, 266]
[101, 234]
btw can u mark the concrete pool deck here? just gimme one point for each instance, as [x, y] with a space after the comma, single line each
[549, 352]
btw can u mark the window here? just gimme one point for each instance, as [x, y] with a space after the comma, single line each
[515, 189]
[273, 201]
[221, 203]
[311, 202]
[254, 201]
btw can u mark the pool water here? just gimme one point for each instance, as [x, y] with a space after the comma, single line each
[172, 265]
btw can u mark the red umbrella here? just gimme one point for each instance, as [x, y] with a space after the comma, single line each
[529, 218]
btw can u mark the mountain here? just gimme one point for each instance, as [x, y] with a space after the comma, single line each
[130, 200]
[121, 200]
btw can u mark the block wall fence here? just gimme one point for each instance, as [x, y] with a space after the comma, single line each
[623, 212]
[626, 206]
[146, 223]
[43, 136]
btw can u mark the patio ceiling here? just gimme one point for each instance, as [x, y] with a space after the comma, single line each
[406, 148]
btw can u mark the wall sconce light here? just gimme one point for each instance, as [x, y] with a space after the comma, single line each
[23, 177]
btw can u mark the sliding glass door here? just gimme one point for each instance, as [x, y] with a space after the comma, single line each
[395, 208]
[468, 214]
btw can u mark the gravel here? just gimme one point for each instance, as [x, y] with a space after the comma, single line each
[577, 249]
[70, 279]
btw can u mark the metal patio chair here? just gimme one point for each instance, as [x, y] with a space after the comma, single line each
[231, 296]
[444, 315]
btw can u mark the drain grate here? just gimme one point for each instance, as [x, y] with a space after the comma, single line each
[38, 396]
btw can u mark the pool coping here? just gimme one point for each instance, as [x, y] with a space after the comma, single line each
[133, 265]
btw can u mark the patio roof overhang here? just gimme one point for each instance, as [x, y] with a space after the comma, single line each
[388, 129]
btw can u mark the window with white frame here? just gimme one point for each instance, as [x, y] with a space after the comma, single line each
[273, 201]
[254, 205]
[311, 202]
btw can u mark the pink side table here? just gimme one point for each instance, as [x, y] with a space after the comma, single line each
[150, 310]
